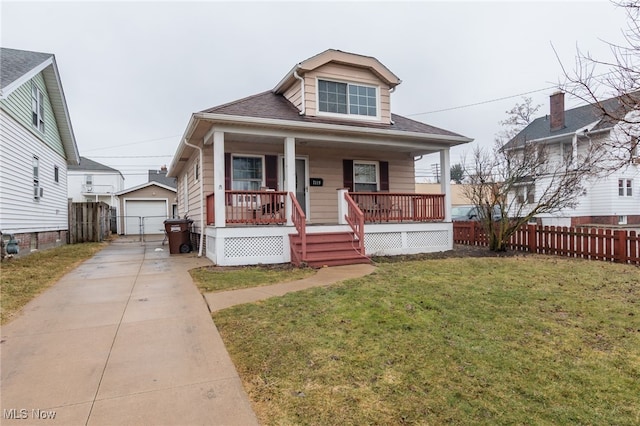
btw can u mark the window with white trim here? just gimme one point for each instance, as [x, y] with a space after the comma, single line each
[625, 187]
[196, 171]
[36, 177]
[36, 171]
[56, 174]
[347, 98]
[247, 172]
[37, 108]
[526, 194]
[366, 176]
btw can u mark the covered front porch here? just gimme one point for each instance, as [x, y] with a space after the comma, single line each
[260, 229]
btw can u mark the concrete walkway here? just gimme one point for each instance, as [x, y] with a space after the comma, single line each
[126, 339]
[324, 277]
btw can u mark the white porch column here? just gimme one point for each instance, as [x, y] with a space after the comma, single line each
[445, 182]
[218, 179]
[289, 173]
[342, 206]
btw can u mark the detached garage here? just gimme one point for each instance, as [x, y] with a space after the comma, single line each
[144, 208]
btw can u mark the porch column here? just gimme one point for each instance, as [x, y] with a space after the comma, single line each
[445, 182]
[218, 180]
[289, 174]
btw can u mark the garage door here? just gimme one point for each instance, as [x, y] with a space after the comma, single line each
[151, 213]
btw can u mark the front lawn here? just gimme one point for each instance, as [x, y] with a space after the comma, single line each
[221, 278]
[522, 340]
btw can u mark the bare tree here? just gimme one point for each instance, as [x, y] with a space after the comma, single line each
[596, 81]
[526, 179]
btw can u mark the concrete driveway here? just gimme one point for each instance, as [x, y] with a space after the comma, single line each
[125, 338]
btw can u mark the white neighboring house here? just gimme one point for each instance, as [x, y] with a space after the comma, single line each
[609, 200]
[92, 181]
[36, 146]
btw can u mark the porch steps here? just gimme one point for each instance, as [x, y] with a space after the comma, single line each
[328, 249]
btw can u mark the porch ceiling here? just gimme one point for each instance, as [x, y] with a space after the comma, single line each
[411, 144]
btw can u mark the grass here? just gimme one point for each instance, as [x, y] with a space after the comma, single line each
[23, 278]
[215, 278]
[524, 340]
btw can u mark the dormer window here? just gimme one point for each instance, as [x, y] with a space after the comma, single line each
[347, 98]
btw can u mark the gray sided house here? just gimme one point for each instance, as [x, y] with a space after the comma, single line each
[316, 171]
[613, 199]
[37, 145]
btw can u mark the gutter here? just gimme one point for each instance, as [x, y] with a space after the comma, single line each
[295, 74]
[202, 203]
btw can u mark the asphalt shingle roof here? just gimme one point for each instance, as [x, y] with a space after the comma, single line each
[575, 119]
[16, 63]
[273, 106]
[87, 164]
[160, 176]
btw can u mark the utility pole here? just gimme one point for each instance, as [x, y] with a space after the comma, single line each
[436, 170]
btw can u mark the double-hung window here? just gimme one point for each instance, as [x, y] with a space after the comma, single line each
[347, 98]
[37, 108]
[625, 188]
[36, 177]
[365, 176]
[247, 173]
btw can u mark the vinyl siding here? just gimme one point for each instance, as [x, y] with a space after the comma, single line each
[345, 73]
[19, 211]
[18, 105]
[326, 164]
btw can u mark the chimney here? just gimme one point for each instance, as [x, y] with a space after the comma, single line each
[163, 168]
[557, 111]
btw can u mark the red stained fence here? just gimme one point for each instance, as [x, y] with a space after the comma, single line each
[620, 246]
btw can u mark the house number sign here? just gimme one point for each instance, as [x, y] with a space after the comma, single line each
[315, 181]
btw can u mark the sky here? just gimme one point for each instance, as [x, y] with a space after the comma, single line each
[134, 72]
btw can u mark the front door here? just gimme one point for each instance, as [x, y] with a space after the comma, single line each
[301, 183]
[302, 187]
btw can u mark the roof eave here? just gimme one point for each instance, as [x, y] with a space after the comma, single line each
[339, 128]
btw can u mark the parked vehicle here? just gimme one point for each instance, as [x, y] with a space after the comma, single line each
[471, 212]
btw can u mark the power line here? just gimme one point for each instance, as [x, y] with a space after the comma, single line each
[482, 102]
[131, 156]
[131, 143]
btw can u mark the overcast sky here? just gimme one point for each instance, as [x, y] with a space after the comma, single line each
[134, 72]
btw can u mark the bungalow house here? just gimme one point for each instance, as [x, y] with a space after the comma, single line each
[317, 170]
[611, 199]
[36, 146]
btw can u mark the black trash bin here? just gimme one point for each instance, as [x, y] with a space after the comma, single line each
[179, 234]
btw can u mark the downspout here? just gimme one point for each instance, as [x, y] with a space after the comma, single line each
[295, 74]
[202, 203]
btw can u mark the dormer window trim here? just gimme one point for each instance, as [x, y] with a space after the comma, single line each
[349, 86]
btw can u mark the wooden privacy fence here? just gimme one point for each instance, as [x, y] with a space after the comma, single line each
[88, 222]
[619, 245]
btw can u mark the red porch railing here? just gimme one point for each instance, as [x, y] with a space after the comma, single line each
[300, 222]
[355, 219]
[398, 207]
[620, 246]
[251, 207]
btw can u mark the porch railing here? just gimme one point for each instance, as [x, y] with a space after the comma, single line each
[251, 208]
[355, 219]
[300, 222]
[399, 207]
